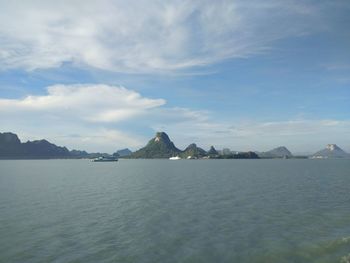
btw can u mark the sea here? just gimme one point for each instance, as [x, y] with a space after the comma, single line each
[175, 211]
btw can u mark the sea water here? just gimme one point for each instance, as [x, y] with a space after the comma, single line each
[175, 211]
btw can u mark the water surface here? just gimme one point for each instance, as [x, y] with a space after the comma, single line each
[175, 211]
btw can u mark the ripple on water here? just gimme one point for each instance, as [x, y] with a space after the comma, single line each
[324, 252]
[160, 211]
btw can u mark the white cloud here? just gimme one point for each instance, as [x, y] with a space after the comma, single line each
[105, 118]
[79, 116]
[92, 103]
[143, 36]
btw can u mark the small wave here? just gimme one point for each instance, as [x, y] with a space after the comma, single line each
[330, 251]
[345, 239]
[345, 259]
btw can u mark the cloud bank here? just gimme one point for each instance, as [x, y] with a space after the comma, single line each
[144, 36]
[104, 118]
[91, 103]
[78, 115]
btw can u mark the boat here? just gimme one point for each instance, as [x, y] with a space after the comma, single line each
[175, 158]
[105, 159]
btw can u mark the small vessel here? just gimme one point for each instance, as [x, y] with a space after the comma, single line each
[175, 158]
[105, 159]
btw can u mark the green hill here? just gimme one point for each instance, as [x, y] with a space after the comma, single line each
[213, 152]
[194, 151]
[158, 147]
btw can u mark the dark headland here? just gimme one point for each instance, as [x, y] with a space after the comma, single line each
[12, 148]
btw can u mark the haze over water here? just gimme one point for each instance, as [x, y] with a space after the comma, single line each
[181, 211]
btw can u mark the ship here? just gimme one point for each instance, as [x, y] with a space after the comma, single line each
[175, 158]
[105, 159]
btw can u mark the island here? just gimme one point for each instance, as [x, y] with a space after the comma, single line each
[159, 147]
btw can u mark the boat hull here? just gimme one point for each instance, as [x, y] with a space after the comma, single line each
[104, 160]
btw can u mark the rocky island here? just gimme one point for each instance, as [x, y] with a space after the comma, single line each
[331, 151]
[12, 148]
[162, 147]
[159, 147]
[279, 152]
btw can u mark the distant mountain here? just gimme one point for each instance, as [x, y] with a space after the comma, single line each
[162, 147]
[278, 152]
[331, 151]
[194, 151]
[225, 151]
[245, 155]
[43, 148]
[123, 152]
[158, 147]
[83, 154]
[79, 154]
[212, 151]
[11, 147]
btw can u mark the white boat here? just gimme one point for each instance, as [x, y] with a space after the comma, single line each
[175, 158]
[105, 159]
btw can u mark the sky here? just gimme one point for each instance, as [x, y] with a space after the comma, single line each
[245, 75]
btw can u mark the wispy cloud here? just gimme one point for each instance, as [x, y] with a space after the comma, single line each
[144, 36]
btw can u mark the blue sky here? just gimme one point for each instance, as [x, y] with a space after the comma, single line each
[248, 76]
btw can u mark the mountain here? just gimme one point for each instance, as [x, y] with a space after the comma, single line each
[8, 138]
[225, 151]
[11, 147]
[278, 152]
[194, 151]
[45, 149]
[123, 152]
[162, 147]
[245, 155]
[212, 151]
[79, 154]
[158, 147]
[76, 154]
[331, 151]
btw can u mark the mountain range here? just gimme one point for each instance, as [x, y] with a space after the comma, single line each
[12, 148]
[162, 147]
[158, 147]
